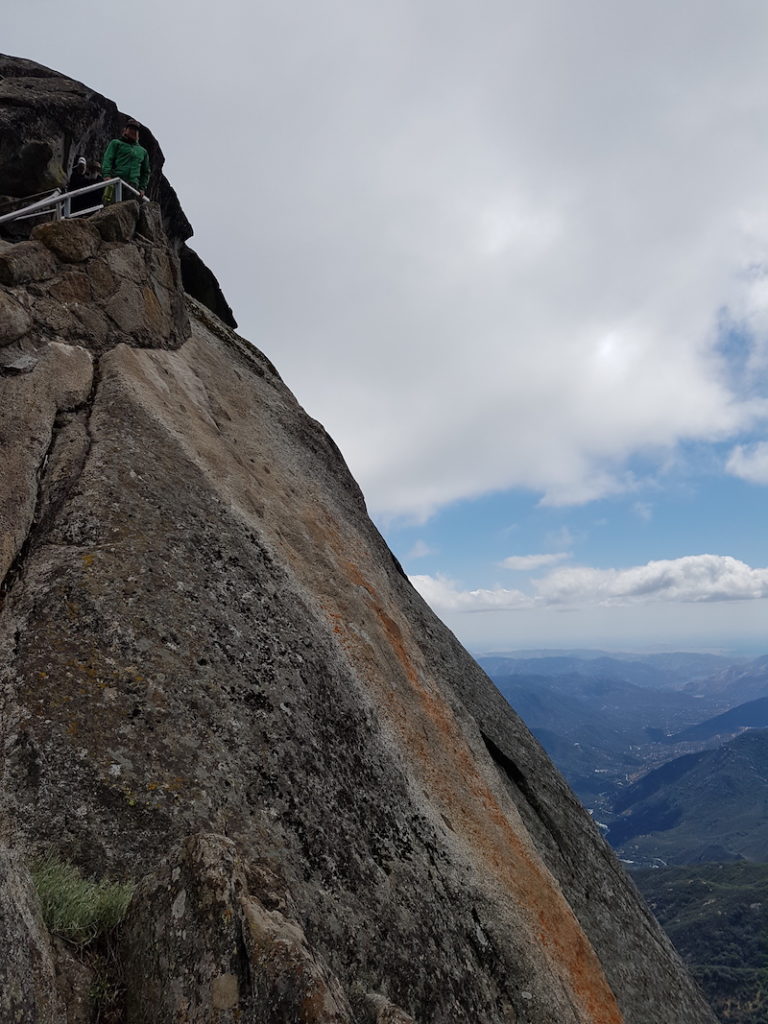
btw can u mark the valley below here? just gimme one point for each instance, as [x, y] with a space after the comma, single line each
[669, 753]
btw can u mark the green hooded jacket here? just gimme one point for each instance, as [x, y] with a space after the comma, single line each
[126, 160]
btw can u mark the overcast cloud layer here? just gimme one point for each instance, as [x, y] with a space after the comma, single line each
[527, 228]
[499, 246]
[490, 245]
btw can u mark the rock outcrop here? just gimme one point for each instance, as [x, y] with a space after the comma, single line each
[217, 682]
[28, 989]
[46, 121]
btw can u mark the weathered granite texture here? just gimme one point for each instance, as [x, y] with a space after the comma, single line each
[28, 989]
[46, 121]
[215, 680]
[203, 633]
[253, 960]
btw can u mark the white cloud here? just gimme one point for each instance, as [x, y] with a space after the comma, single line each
[421, 549]
[442, 594]
[501, 246]
[750, 462]
[692, 578]
[524, 563]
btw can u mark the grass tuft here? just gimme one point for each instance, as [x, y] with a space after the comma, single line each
[76, 908]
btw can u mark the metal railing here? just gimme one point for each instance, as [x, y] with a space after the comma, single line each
[60, 203]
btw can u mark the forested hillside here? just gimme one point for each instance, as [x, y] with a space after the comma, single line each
[717, 917]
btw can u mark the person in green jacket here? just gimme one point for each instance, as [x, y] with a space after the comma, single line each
[125, 158]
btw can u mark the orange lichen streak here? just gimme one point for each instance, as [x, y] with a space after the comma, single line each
[340, 563]
[365, 622]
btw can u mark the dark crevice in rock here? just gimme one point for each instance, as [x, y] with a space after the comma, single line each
[18, 563]
[200, 281]
[53, 494]
[399, 567]
[513, 773]
[244, 965]
[16, 365]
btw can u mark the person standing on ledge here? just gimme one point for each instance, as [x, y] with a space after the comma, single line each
[79, 179]
[125, 158]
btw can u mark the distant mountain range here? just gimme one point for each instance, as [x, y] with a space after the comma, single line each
[752, 715]
[662, 671]
[644, 758]
[596, 724]
[735, 684]
[656, 746]
[707, 806]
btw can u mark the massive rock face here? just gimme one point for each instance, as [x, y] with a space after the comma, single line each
[217, 682]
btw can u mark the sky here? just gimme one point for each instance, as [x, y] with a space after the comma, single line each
[514, 256]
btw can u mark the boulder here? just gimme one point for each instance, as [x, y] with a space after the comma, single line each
[117, 222]
[128, 263]
[71, 287]
[73, 241]
[102, 279]
[126, 307]
[14, 319]
[26, 261]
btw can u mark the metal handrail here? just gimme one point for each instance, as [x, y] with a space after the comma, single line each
[60, 202]
[33, 206]
[14, 202]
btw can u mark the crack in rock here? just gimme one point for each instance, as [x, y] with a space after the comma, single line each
[58, 472]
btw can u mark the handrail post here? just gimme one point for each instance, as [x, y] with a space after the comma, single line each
[66, 207]
[118, 190]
